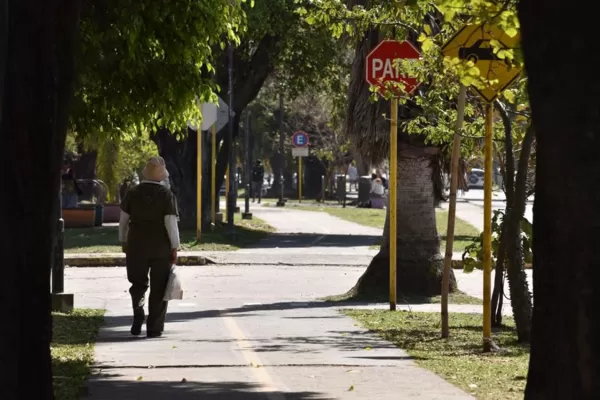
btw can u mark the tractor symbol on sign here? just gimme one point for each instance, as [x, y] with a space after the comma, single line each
[480, 50]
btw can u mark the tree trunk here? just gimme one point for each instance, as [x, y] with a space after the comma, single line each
[85, 166]
[419, 262]
[520, 296]
[565, 99]
[498, 292]
[181, 158]
[313, 170]
[37, 65]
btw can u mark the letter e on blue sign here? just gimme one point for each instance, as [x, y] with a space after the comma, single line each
[300, 139]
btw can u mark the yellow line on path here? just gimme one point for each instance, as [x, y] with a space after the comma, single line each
[260, 373]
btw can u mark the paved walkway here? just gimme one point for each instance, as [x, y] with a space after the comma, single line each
[248, 333]
[469, 207]
[259, 331]
[306, 238]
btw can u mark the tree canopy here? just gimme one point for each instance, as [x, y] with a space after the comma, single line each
[142, 64]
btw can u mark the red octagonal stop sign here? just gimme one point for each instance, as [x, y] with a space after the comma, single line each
[380, 64]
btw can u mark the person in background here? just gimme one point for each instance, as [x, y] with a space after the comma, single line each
[377, 196]
[258, 177]
[353, 175]
[70, 189]
[378, 174]
[149, 237]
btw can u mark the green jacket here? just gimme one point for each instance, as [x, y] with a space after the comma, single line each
[147, 205]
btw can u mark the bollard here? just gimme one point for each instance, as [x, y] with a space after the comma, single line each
[58, 267]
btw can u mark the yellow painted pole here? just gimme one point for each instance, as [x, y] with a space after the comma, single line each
[300, 179]
[392, 200]
[199, 187]
[487, 232]
[227, 191]
[213, 187]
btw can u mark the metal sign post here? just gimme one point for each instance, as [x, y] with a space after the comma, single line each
[299, 179]
[380, 71]
[473, 44]
[213, 178]
[199, 186]
[487, 232]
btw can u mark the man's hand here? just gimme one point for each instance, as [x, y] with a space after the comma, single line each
[124, 247]
[174, 256]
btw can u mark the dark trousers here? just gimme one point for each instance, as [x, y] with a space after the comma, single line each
[138, 268]
[256, 190]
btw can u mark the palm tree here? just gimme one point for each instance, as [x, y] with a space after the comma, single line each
[420, 188]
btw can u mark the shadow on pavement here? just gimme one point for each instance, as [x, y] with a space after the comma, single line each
[349, 340]
[115, 389]
[295, 240]
[125, 320]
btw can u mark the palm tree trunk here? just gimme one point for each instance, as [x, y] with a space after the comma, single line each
[419, 262]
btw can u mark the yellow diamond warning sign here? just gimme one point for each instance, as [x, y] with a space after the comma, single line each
[485, 45]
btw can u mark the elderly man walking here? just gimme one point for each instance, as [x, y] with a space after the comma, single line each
[149, 235]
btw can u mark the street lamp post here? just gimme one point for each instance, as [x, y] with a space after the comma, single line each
[281, 202]
[247, 214]
[231, 198]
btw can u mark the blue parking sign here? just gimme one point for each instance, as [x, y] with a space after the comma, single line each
[300, 139]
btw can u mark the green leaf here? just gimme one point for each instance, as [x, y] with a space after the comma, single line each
[511, 32]
[509, 95]
[427, 45]
[467, 80]
[474, 71]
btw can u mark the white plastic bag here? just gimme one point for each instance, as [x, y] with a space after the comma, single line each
[174, 289]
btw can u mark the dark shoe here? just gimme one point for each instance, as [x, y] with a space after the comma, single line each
[152, 335]
[136, 328]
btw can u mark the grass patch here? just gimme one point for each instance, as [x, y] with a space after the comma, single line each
[458, 359]
[457, 297]
[73, 350]
[464, 233]
[105, 239]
